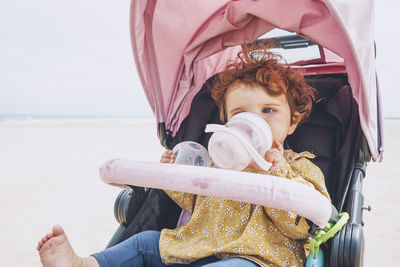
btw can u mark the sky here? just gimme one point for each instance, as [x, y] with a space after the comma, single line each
[68, 57]
[74, 58]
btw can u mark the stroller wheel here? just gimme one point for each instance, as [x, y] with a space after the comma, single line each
[128, 204]
[347, 247]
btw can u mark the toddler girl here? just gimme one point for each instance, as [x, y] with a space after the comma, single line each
[223, 232]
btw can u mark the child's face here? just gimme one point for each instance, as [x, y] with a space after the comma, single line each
[274, 110]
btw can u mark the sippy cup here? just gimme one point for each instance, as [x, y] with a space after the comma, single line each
[191, 153]
[245, 137]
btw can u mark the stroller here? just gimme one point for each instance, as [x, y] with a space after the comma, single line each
[178, 58]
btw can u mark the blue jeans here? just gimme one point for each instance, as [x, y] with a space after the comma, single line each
[142, 250]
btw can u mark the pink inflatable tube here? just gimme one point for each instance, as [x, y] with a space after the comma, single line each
[253, 188]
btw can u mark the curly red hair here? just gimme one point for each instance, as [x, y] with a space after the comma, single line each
[257, 66]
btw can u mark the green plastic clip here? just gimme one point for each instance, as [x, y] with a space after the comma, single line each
[328, 232]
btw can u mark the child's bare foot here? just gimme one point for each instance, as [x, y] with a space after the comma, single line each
[55, 250]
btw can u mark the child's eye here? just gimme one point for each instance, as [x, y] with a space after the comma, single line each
[267, 110]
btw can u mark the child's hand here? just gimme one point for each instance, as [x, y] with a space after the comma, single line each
[275, 156]
[168, 157]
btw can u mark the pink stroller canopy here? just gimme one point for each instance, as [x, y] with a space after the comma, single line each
[179, 44]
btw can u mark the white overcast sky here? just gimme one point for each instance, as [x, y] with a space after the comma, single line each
[74, 58]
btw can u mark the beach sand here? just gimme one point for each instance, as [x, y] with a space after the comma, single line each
[49, 175]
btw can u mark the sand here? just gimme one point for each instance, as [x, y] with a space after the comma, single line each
[381, 191]
[49, 175]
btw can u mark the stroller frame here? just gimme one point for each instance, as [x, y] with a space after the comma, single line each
[349, 142]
